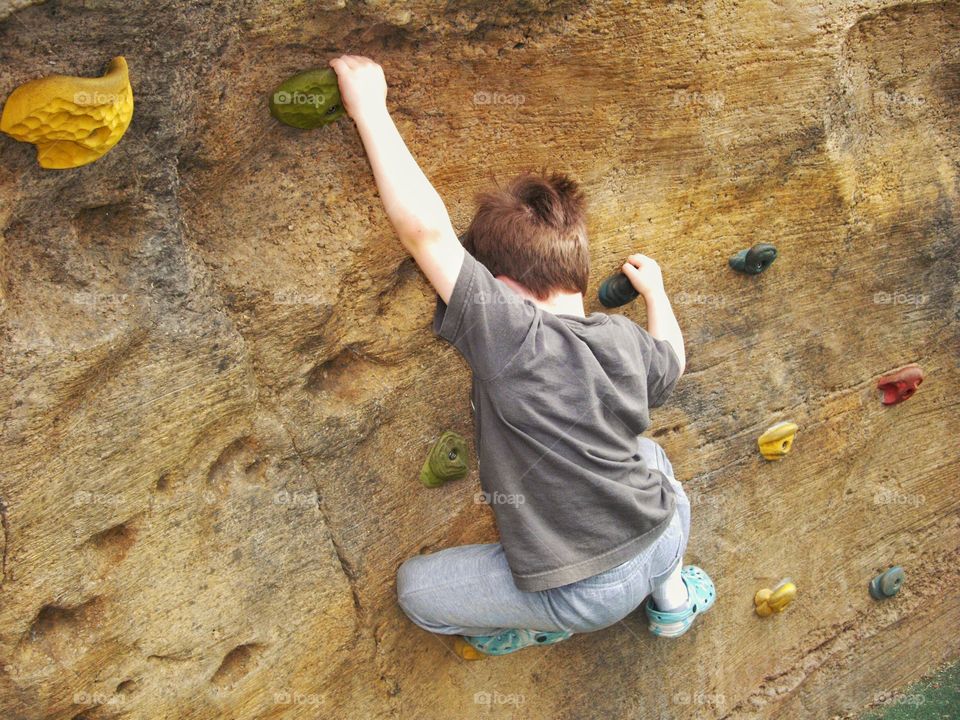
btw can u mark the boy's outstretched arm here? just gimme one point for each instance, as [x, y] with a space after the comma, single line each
[413, 206]
[647, 279]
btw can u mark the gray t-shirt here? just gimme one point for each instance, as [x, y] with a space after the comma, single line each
[559, 403]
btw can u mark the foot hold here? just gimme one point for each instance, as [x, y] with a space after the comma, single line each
[447, 460]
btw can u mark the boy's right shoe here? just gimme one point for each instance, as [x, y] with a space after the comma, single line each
[702, 595]
[507, 641]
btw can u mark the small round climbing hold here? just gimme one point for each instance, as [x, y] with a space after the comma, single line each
[616, 290]
[72, 120]
[755, 260]
[776, 442]
[887, 584]
[465, 650]
[767, 602]
[447, 460]
[308, 100]
[901, 384]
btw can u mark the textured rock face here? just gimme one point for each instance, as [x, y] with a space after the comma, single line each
[220, 382]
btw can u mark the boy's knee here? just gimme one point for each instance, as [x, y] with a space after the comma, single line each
[409, 598]
[407, 577]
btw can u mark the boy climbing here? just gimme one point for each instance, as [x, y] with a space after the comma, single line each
[591, 518]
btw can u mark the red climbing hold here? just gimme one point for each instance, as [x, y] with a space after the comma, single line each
[901, 384]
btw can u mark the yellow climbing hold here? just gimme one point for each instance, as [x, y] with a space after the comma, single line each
[769, 601]
[72, 120]
[777, 440]
[465, 650]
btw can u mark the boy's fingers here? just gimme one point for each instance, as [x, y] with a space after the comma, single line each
[355, 61]
[345, 61]
[340, 66]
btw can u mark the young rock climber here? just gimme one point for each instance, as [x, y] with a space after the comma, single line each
[591, 518]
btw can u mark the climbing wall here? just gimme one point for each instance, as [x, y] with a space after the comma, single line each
[219, 380]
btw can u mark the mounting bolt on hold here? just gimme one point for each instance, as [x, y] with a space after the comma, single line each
[767, 601]
[447, 460]
[755, 260]
[901, 384]
[776, 442]
[887, 584]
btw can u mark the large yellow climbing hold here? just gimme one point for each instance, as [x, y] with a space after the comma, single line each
[769, 601]
[72, 120]
[776, 442]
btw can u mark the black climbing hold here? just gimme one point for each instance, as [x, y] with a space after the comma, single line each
[616, 290]
[755, 260]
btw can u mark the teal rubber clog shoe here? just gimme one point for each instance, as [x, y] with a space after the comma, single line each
[702, 597]
[509, 641]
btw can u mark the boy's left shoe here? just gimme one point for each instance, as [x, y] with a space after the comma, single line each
[508, 641]
[702, 594]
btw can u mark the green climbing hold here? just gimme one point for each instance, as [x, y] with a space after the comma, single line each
[887, 584]
[447, 460]
[755, 260]
[308, 100]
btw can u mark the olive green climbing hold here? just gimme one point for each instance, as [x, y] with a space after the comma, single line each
[447, 460]
[308, 100]
[755, 260]
[887, 584]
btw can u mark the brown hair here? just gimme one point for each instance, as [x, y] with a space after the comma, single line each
[534, 232]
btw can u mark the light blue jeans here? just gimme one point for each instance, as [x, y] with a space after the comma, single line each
[469, 590]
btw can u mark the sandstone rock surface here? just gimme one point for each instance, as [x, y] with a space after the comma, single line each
[219, 380]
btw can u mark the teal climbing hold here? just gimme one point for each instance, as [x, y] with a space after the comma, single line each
[887, 584]
[754, 260]
[308, 100]
[447, 460]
